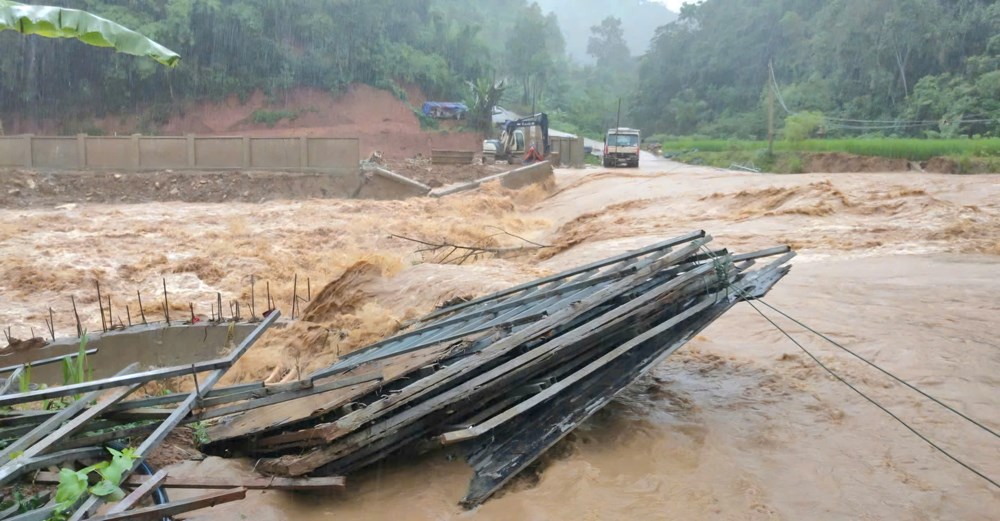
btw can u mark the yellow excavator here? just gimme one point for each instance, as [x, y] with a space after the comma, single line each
[513, 145]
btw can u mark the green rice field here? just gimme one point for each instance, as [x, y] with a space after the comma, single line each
[910, 149]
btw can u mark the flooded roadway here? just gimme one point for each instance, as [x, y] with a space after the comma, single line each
[902, 268]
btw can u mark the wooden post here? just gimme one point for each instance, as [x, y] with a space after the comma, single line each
[100, 303]
[79, 328]
[166, 303]
[142, 312]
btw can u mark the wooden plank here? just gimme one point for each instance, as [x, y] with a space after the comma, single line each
[30, 444]
[77, 423]
[328, 432]
[208, 414]
[352, 421]
[157, 512]
[515, 445]
[58, 458]
[11, 380]
[109, 383]
[143, 409]
[669, 243]
[46, 361]
[330, 483]
[153, 440]
[138, 494]
[298, 465]
[371, 377]
[43, 496]
[483, 428]
[274, 416]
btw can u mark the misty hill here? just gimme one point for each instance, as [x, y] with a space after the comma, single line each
[640, 18]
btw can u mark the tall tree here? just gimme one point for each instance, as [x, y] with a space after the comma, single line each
[607, 45]
[534, 47]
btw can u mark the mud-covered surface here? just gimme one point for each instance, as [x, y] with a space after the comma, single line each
[31, 188]
[23, 188]
[740, 424]
[836, 162]
[421, 169]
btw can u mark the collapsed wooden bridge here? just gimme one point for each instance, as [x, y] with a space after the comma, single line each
[505, 376]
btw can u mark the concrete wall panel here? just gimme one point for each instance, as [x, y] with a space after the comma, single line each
[339, 153]
[213, 152]
[163, 152]
[110, 152]
[13, 151]
[151, 346]
[199, 153]
[275, 153]
[54, 152]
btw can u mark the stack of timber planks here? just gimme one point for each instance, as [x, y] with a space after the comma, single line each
[501, 377]
[509, 374]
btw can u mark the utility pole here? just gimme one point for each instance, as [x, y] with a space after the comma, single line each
[618, 123]
[770, 108]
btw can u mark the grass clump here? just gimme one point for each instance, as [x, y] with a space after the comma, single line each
[272, 117]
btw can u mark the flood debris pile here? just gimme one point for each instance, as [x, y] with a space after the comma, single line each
[506, 375]
[70, 437]
[503, 376]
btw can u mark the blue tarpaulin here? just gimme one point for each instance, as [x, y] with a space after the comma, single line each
[442, 109]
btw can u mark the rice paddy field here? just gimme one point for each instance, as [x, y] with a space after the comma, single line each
[910, 149]
[960, 156]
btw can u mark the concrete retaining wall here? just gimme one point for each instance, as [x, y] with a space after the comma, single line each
[521, 177]
[179, 152]
[151, 346]
[379, 183]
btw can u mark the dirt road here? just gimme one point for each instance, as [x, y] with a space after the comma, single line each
[740, 424]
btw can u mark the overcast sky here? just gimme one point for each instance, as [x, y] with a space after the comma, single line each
[675, 5]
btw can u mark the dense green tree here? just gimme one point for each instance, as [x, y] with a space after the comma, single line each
[607, 46]
[906, 67]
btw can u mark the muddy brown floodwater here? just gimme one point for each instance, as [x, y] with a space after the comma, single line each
[902, 268]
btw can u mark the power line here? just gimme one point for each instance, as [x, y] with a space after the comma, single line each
[885, 124]
[749, 300]
[872, 401]
[887, 373]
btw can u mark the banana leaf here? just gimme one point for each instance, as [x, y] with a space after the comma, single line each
[60, 22]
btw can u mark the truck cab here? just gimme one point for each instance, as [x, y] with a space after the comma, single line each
[621, 147]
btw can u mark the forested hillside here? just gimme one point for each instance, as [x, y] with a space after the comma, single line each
[640, 18]
[904, 67]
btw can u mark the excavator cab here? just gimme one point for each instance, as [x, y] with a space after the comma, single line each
[517, 137]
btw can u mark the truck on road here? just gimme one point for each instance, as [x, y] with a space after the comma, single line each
[621, 147]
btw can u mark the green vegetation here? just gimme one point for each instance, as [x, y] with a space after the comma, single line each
[272, 117]
[910, 149]
[200, 433]
[74, 484]
[970, 155]
[906, 68]
[842, 68]
[77, 370]
[88, 28]
[24, 503]
[24, 380]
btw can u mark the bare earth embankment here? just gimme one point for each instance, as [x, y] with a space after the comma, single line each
[902, 268]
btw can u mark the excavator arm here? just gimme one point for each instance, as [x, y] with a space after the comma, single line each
[540, 120]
